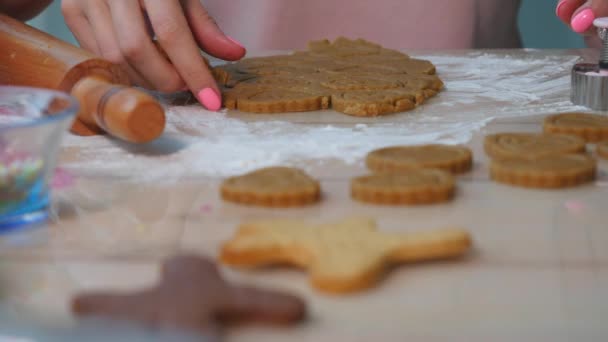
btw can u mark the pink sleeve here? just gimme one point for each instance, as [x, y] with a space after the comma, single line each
[403, 24]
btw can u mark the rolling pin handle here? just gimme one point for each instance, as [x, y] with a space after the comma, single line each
[127, 113]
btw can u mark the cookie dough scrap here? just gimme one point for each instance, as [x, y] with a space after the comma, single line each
[277, 95]
[346, 82]
[557, 171]
[531, 145]
[279, 101]
[342, 257]
[422, 186]
[232, 97]
[354, 77]
[602, 149]
[272, 187]
[343, 47]
[369, 103]
[397, 159]
[591, 127]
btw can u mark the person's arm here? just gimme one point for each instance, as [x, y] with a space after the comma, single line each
[23, 9]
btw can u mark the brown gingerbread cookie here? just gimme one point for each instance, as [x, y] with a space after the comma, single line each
[272, 187]
[531, 145]
[591, 127]
[417, 186]
[193, 297]
[396, 159]
[553, 171]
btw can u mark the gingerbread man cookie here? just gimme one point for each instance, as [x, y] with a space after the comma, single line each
[192, 296]
[340, 257]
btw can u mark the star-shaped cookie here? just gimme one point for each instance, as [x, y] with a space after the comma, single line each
[340, 257]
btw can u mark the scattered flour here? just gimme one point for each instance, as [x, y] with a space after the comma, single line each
[198, 143]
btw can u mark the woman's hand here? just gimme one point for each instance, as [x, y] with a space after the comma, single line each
[580, 14]
[122, 32]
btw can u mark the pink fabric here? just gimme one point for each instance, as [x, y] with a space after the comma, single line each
[403, 24]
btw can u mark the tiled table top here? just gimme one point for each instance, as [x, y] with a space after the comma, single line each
[539, 271]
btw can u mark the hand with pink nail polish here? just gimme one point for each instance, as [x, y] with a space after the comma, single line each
[122, 31]
[580, 14]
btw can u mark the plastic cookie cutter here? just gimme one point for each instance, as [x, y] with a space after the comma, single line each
[590, 81]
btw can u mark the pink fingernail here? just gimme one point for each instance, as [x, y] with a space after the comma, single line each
[210, 99]
[235, 41]
[583, 21]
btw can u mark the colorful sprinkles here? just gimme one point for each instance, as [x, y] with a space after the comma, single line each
[18, 173]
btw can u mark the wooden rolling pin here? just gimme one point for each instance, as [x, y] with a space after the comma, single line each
[29, 57]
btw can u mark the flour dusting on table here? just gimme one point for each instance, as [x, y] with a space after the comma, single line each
[198, 143]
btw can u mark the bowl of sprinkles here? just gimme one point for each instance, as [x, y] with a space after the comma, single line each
[33, 123]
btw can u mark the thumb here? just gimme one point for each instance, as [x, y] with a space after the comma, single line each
[260, 305]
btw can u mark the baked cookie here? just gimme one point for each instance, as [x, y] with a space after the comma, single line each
[531, 145]
[555, 171]
[591, 127]
[421, 186]
[454, 159]
[340, 257]
[192, 296]
[354, 77]
[272, 187]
